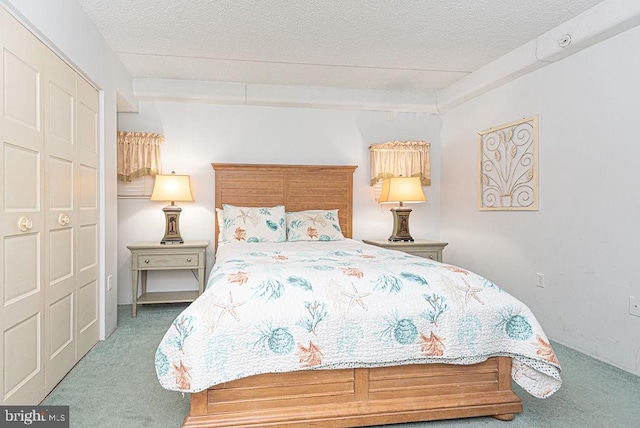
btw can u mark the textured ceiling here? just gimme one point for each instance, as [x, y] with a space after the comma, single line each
[412, 45]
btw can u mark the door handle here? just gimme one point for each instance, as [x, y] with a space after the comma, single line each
[24, 224]
[63, 219]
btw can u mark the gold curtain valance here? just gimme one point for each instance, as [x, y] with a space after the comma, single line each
[138, 154]
[400, 158]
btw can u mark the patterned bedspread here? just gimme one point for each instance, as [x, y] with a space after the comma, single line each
[341, 304]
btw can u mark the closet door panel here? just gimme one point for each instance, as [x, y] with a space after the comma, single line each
[87, 207]
[22, 178]
[88, 254]
[22, 228]
[23, 366]
[61, 219]
[60, 334]
[22, 89]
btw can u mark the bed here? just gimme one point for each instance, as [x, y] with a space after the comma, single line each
[343, 394]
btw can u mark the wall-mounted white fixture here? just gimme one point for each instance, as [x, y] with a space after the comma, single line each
[634, 306]
[564, 41]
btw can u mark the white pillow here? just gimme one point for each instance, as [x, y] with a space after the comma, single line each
[220, 217]
[314, 225]
[253, 224]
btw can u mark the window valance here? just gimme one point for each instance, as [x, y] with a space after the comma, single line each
[138, 154]
[400, 158]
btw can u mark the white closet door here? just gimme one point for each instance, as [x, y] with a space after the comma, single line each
[22, 308]
[61, 219]
[87, 213]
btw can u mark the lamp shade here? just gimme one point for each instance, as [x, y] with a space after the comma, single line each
[402, 189]
[172, 187]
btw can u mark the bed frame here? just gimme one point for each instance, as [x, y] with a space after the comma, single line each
[344, 397]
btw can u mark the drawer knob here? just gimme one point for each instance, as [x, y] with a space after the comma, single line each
[146, 260]
[431, 257]
[189, 259]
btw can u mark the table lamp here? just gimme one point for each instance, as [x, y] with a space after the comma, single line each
[172, 188]
[401, 190]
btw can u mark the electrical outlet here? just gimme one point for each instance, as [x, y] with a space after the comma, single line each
[109, 282]
[634, 306]
[541, 282]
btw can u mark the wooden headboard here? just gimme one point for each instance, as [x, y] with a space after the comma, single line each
[297, 187]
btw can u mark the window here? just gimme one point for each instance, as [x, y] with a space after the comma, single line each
[399, 159]
[140, 187]
[138, 163]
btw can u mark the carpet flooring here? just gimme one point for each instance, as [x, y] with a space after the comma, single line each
[115, 386]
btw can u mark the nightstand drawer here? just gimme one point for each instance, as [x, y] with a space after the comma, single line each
[169, 261]
[420, 247]
[433, 255]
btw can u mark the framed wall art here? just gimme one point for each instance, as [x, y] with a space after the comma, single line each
[509, 166]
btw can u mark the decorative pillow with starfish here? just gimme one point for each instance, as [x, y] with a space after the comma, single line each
[314, 225]
[253, 224]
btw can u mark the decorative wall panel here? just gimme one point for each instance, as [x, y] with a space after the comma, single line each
[509, 166]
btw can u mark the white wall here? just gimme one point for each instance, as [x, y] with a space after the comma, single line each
[64, 26]
[586, 236]
[197, 134]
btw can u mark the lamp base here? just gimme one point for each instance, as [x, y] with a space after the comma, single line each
[400, 224]
[172, 225]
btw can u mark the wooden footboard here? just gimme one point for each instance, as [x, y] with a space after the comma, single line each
[357, 397]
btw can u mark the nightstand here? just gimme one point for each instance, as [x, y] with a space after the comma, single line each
[420, 247]
[146, 256]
